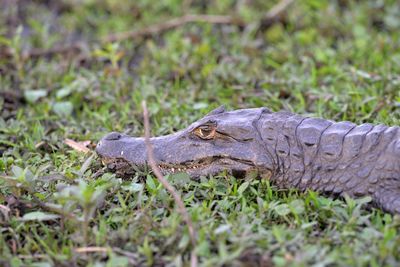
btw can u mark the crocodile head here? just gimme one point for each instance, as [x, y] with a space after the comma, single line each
[222, 140]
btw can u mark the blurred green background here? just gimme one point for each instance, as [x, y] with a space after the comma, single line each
[336, 59]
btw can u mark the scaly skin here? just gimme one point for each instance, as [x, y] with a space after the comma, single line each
[334, 158]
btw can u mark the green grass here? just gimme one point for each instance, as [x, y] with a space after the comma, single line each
[334, 59]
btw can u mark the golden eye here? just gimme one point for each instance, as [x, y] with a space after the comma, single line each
[205, 132]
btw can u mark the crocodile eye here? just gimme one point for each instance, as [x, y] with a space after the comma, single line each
[205, 132]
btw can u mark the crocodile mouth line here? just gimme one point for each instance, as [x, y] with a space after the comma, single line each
[181, 168]
[124, 166]
[202, 164]
[185, 166]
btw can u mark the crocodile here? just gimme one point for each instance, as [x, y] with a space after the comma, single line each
[292, 151]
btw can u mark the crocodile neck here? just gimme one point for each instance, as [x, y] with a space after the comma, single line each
[336, 158]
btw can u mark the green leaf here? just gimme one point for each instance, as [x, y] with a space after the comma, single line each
[5, 41]
[297, 206]
[33, 96]
[2, 165]
[63, 92]
[150, 183]
[282, 210]
[39, 216]
[200, 105]
[180, 178]
[17, 171]
[184, 242]
[63, 109]
[222, 229]
[133, 187]
[243, 187]
[364, 200]
[308, 225]
[118, 261]
[41, 264]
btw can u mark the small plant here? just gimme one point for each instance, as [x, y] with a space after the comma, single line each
[333, 59]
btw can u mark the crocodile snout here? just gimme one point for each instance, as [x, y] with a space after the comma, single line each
[113, 136]
[120, 146]
[108, 142]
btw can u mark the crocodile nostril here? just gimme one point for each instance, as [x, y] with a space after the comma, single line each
[113, 136]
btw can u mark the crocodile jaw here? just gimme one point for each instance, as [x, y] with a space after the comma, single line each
[129, 155]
